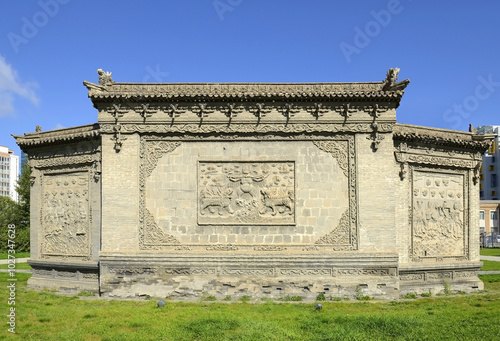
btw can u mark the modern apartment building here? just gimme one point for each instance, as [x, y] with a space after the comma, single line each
[488, 216]
[9, 173]
[489, 187]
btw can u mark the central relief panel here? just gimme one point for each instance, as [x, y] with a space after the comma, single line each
[249, 193]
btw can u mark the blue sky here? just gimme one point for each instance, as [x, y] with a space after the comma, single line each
[450, 51]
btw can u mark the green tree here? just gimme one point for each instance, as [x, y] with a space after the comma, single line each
[8, 212]
[23, 189]
[17, 214]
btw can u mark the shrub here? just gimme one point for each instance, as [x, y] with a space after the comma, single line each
[289, 298]
[364, 298]
[210, 298]
[245, 298]
[410, 295]
[321, 297]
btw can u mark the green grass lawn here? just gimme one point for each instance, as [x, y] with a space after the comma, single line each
[490, 251]
[4, 255]
[19, 266]
[490, 265]
[47, 316]
[491, 282]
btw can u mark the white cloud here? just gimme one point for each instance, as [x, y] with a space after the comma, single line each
[59, 126]
[11, 86]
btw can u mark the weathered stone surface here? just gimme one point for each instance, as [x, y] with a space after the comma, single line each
[265, 190]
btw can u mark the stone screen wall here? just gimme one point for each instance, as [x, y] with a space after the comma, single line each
[256, 189]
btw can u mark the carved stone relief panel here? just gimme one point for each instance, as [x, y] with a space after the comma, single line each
[263, 196]
[65, 215]
[438, 214]
[246, 193]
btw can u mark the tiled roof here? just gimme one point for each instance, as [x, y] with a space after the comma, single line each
[57, 136]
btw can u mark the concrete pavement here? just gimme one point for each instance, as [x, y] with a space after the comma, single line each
[19, 260]
[490, 258]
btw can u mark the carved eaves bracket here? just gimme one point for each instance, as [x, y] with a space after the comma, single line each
[476, 174]
[117, 137]
[260, 110]
[117, 111]
[375, 136]
[401, 157]
[288, 110]
[173, 110]
[346, 110]
[145, 110]
[375, 110]
[96, 170]
[317, 110]
[202, 110]
[232, 110]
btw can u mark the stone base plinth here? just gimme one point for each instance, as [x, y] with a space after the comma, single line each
[66, 277]
[440, 278]
[190, 276]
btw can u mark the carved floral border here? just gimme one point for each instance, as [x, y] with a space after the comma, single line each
[342, 237]
[250, 131]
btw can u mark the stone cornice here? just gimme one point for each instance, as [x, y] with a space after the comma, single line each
[57, 136]
[241, 91]
[109, 91]
[440, 137]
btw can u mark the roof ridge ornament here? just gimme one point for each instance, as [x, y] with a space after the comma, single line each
[389, 83]
[105, 77]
